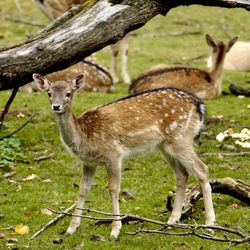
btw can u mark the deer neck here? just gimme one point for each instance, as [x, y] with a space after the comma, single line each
[69, 129]
[217, 65]
[217, 69]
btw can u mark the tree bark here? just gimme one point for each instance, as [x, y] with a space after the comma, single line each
[97, 26]
[229, 186]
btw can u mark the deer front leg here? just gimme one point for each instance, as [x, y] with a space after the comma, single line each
[85, 185]
[181, 176]
[114, 179]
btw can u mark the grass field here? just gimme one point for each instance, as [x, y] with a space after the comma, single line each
[176, 38]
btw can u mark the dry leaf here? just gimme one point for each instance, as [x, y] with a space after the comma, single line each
[19, 188]
[95, 237]
[14, 240]
[29, 178]
[20, 115]
[21, 229]
[234, 205]
[9, 174]
[46, 211]
[58, 241]
[243, 144]
[47, 180]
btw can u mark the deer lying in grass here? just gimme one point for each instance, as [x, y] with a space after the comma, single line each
[55, 8]
[165, 118]
[98, 79]
[237, 59]
[205, 85]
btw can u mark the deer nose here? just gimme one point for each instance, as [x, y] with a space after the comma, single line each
[56, 107]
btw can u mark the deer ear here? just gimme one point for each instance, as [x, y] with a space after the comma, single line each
[78, 82]
[41, 82]
[232, 42]
[210, 41]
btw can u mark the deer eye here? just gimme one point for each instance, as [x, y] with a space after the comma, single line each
[49, 94]
[68, 94]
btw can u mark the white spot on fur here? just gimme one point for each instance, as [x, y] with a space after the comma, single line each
[173, 126]
[153, 128]
[166, 115]
[172, 111]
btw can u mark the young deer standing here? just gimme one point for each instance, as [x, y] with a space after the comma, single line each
[55, 8]
[205, 85]
[165, 118]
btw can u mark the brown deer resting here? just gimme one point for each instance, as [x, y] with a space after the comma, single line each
[55, 8]
[98, 79]
[165, 118]
[206, 85]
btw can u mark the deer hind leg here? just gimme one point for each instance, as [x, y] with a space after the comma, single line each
[189, 160]
[85, 185]
[124, 55]
[181, 176]
[114, 179]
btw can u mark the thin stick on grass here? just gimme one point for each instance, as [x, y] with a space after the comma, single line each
[44, 157]
[18, 129]
[53, 221]
[225, 154]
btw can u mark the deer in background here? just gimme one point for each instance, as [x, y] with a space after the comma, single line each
[98, 79]
[55, 8]
[166, 118]
[205, 84]
[237, 59]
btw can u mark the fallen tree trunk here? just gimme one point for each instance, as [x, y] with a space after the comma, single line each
[229, 186]
[97, 26]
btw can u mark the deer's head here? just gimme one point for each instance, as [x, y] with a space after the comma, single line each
[60, 92]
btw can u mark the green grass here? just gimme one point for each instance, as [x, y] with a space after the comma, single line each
[146, 176]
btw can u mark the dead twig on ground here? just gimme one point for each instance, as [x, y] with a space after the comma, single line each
[226, 154]
[18, 129]
[44, 157]
[62, 214]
